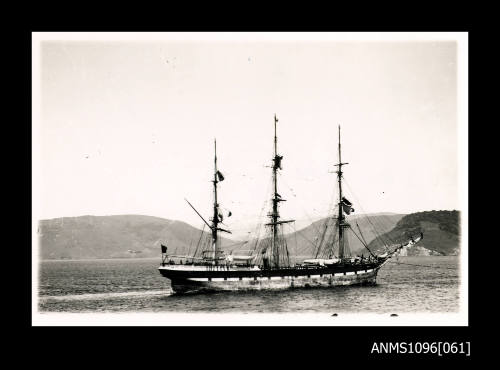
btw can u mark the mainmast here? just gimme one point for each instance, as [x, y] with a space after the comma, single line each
[274, 215]
[341, 223]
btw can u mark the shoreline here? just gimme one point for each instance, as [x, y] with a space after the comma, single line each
[97, 259]
[159, 258]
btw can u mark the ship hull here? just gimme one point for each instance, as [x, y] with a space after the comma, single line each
[251, 280]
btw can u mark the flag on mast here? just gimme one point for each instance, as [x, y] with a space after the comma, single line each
[346, 205]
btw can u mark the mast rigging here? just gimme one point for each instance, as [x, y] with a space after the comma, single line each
[274, 215]
[341, 224]
[215, 220]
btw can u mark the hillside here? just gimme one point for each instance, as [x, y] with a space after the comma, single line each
[440, 228]
[114, 237]
[140, 236]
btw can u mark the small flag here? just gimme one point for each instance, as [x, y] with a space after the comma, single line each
[277, 162]
[220, 177]
[163, 249]
[347, 209]
[346, 205]
[346, 202]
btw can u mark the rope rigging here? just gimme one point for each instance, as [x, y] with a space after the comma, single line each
[366, 246]
[383, 239]
[301, 234]
[260, 223]
[323, 234]
[295, 234]
[299, 203]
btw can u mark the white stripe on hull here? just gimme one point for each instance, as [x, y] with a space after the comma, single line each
[275, 282]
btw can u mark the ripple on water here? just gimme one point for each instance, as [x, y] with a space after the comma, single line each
[136, 285]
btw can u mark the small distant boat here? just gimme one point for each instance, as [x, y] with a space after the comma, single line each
[268, 266]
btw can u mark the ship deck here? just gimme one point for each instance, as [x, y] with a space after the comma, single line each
[239, 273]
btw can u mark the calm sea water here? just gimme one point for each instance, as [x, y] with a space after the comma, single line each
[135, 285]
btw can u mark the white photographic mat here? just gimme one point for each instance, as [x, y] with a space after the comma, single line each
[124, 124]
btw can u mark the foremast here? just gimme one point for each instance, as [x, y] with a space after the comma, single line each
[215, 218]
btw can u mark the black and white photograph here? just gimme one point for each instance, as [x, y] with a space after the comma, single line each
[250, 178]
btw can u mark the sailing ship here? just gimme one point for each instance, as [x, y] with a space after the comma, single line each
[268, 266]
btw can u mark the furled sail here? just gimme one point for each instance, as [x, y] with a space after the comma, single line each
[322, 261]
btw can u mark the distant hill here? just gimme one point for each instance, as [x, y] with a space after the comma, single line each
[115, 237]
[441, 233]
[370, 225]
[125, 236]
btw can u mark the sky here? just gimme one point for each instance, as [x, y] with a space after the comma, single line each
[128, 127]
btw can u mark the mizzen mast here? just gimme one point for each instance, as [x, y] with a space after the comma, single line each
[217, 215]
[341, 220]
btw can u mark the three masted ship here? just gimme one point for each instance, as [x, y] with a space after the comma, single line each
[269, 265]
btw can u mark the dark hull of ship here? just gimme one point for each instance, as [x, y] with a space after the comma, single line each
[220, 279]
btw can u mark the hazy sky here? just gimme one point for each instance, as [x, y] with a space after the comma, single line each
[128, 127]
